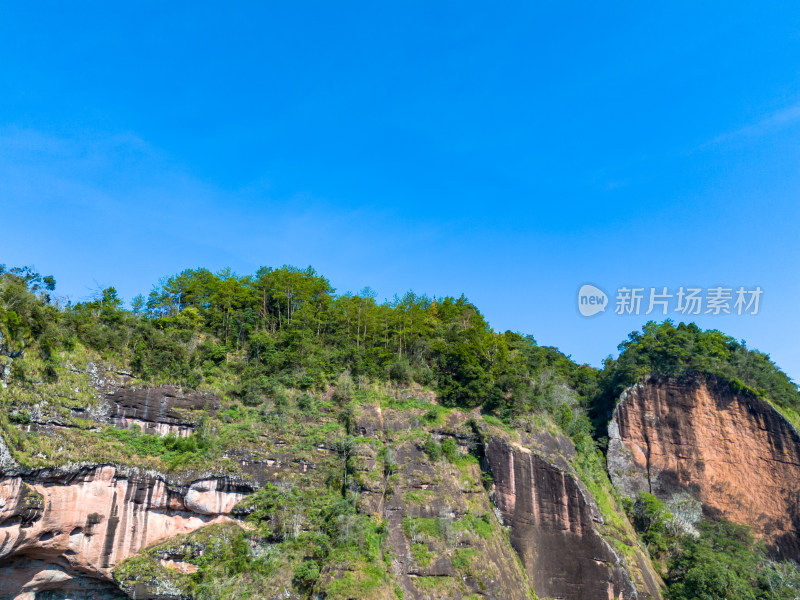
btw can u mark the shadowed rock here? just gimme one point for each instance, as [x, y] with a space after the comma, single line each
[553, 526]
[160, 410]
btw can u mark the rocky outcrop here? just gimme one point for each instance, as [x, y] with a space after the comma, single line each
[421, 470]
[731, 451]
[65, 530]
[160, 410]
[106, 394]
[431, 505]
[554, 524]
[540, 511]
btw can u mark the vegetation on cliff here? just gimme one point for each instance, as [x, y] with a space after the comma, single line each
[287, 326]
[669, 349]
[717, 560]
[284, 331]
[302, 372]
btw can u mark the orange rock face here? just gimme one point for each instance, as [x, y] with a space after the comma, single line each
[57, 528]
[733, 452]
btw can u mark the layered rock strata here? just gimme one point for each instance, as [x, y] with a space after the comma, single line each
[160, 410]
[65, 530]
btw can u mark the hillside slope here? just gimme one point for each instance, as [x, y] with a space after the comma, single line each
[263, 437]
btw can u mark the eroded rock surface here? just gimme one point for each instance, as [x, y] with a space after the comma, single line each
[553, 523]
[160, 410]
[415, 493]
[733, 452]
[63, 530]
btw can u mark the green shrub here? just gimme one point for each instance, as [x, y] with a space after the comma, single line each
[421, 554]
[432, 448]
[463, 557]
[724, 562]
[651, 518]
[450, 450]
[482, 526]
[306, 574]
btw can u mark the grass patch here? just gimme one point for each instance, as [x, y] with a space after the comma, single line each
[421, 554]
[438, 585]
[482, 526]
[420, 497]
[462, 559]
[431, 527]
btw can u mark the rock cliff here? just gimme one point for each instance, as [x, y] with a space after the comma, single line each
[442, 531]
[555, 524]
[468, 509]
[732, 452]
[66, 529]
[535, 498]
[159, 411]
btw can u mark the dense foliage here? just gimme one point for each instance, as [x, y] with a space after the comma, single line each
[290, 354]
[725, 562]
[286, 328]
[664, 348]
[711, 560]
[293, 534]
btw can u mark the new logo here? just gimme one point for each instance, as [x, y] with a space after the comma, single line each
[591, 300]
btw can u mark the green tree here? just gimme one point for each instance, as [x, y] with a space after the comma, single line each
[651, 518]
[724, 562]
[664, 348]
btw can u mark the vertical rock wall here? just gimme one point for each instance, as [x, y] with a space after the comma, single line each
[733, 452]
[553, 528]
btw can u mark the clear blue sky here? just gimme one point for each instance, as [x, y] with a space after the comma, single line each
[511, 152]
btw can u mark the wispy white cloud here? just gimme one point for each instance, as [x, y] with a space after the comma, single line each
[769, 123]
[116, 202]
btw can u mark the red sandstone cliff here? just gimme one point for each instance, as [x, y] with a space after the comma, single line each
[66, 530]
[733, 452]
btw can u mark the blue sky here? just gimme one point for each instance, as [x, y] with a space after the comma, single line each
[512, 153]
